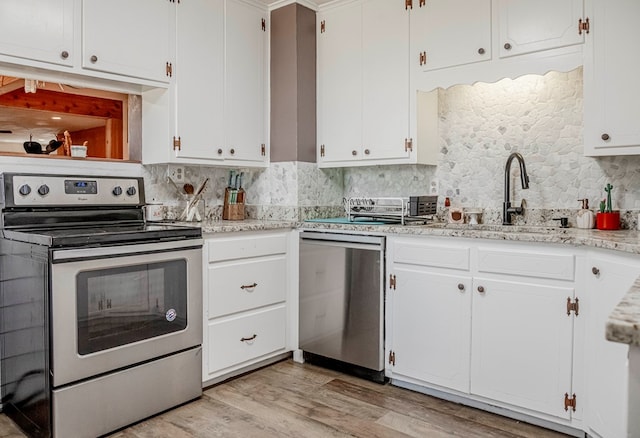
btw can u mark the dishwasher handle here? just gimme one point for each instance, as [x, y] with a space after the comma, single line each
[340, 239]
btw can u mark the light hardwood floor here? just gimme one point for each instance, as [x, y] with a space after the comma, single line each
[293, 400]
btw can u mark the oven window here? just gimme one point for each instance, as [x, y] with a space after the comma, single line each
[118, 306]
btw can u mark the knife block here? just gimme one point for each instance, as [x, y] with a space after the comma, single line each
[233, 209]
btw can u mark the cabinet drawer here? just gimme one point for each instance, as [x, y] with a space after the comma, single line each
[246, 285]
[431, 254]
[247, 337]
[246, 246]
[531, 264]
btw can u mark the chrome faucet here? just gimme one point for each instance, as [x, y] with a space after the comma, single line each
[507, 209]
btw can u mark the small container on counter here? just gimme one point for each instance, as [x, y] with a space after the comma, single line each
[585, 217]
[154, 211]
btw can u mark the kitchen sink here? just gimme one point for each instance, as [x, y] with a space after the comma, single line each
[521, 229]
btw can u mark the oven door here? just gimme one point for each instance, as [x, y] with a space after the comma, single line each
[117, 306]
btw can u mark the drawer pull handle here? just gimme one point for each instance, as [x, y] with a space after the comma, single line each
[249, 340]
[481, 289]
[595, 271]
[460, 286]
[249, 287]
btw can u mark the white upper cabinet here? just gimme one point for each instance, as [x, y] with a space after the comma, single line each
[127, 38]
[116, 40]
[199, 80]
[611, 86]
[532, 26]
[447, 33]
[339, 41]
[466, 41]
[38, 30]
[364, 99]
[245, 84]
[215, 112]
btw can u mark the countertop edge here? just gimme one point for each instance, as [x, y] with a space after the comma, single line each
[623, 325]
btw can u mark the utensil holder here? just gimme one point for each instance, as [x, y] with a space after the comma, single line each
[233, 209]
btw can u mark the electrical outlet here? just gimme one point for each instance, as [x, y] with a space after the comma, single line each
[434, 187]
[176, 173]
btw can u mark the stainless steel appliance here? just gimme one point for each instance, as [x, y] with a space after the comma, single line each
[342, 302]
[100, 312]
[414, 209]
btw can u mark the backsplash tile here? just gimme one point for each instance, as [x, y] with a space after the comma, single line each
[284, 191]
[480, 125]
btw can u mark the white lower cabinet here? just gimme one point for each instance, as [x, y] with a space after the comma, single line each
[486, 322]
[246, 301]
[522, 345]
[609, 277]
[243, 338]
[431, 327]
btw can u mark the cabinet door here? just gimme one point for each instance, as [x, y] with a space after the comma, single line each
[199, 76]
[450, 33]
[522, 344]
[431, 334]
[385, 79]
[245, 89]
[531, 26]
[128, 38]
[340, 83]
[611, 86]
[40, 30]
[608, 280]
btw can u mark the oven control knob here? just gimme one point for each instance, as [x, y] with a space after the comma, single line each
[117, 191]
[43, 190]
[131, 191]
[24, 189]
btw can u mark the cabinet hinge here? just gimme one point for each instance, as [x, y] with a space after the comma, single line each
[263, 149]
[583, 26]
[264, 25]
[569, 402]
[392, 281]
[322, 150]
[392, 358]
[169, 69]
[423, 58]
[408, 4]
[323, 26]
[573, 306]
[177, 143]
[408, 144]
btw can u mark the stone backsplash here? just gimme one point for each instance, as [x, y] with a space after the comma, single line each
[480, 125]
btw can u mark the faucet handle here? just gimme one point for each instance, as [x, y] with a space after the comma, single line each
[564, 222]
[523, 203]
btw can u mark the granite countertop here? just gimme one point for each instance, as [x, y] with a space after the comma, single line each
[220, 226]
[624, 322]
[620, 240]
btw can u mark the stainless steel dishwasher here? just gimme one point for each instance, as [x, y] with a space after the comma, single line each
[342, 302]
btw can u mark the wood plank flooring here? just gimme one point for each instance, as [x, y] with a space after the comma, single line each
[293, 400]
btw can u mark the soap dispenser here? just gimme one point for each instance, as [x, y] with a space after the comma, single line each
[585, 218]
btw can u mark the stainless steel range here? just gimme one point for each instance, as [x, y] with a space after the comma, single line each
[100, 312]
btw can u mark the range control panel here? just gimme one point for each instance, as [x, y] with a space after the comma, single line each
[60, 191]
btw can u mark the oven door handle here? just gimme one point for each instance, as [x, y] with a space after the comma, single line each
[124, 250]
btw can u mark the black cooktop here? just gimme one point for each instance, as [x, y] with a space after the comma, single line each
[102, 234]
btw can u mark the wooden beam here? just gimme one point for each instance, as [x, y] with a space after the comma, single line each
[59, 102]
